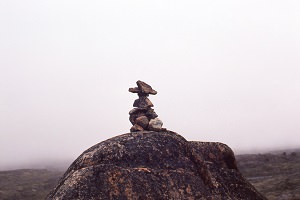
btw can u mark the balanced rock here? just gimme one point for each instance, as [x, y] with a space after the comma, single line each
[135, 110]
[155, 124]
[151, 114]
[142, 121]
[135, 128]
[135, 113]
[143, 109]
[142, 102]
[154, 165]
[134, 90]
[145, 88]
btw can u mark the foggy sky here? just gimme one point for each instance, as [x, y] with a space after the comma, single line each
[226, 71]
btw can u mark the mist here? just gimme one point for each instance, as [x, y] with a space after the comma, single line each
[224, 71]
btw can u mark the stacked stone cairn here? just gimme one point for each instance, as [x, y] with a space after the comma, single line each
[143, 116]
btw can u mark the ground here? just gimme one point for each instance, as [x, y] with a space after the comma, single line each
[276, 175]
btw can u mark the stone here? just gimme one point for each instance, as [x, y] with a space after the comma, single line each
[145, 88]
[132, 118]
[135, 114]
[134, 90]
[142, 121]
[136, 128]
[155, 124]
[134, 110]
[154, 165]
[137, 110]
[151, 113]
[142, 102]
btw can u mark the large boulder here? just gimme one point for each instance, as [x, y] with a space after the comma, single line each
[154, 165]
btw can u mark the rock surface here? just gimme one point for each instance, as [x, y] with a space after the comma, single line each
[154, 165]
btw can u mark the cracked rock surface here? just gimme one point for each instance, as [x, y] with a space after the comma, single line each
[154, 165]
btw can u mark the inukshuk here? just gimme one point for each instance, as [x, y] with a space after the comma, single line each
[143, 116]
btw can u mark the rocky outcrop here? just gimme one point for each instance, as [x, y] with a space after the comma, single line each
[154, 165]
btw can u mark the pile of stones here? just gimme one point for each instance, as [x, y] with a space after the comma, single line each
[143, 116]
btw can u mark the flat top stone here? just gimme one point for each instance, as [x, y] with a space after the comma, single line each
[134, 90]
[143, 88]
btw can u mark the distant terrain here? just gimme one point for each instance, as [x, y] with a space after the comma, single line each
[276, 175]
[27, 184]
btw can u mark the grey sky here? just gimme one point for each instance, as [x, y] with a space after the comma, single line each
[226, 71]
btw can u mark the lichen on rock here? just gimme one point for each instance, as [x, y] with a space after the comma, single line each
[154, 165]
